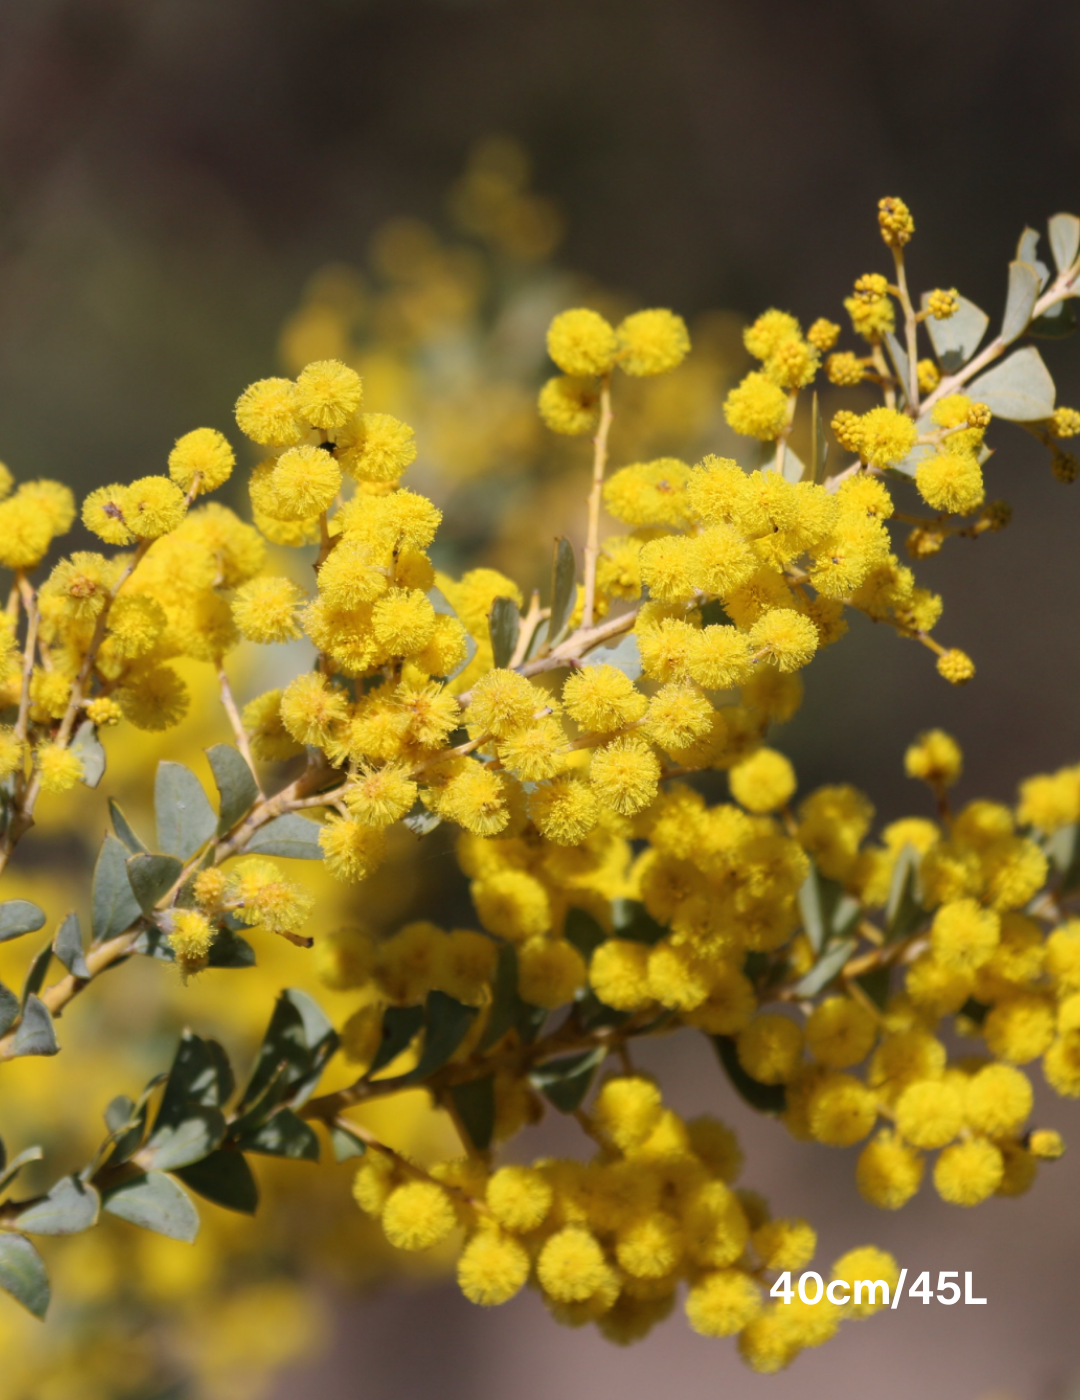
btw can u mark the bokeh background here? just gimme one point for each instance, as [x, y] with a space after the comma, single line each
[193, 194]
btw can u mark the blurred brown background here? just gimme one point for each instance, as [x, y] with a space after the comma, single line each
[172, 171]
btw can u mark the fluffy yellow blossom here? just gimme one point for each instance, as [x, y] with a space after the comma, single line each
[651, 342]
[570, 405]
[59, 769]
[582, 343]
[934, 758]
[327, 394]
[204, 453]
[757, 407]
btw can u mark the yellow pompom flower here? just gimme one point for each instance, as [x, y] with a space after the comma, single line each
[840, 1033]
[722, 1303]
[1046, 1144]
[870, 1264]
[154, 699]
[102, 711]
[626, 1111]
[888, 1172]
[770, 1048]
[963, 935]
[50, 692]
[570, 405]
[304, 483]
[619, 974]
[381, 797]
[625, 775]
[757, 407]
[492, 1268]
[519, 1197]
[327, 394]
[204, 453]
[136, 623]
[968, 1173]
[650, 1246]
[951, 482]
[378, 449]
[502, 703]
[351, 849]
[934, 758]
[550, 972]
[823, 334]
[311, 707]
[58, 768]
[191, 936]
[652, 342]
[264, 609]
[152, 507]
[51, 501]
[418, 1215]
[998, 1100]
[267, 413]
[1019, 1028]
[841, 1110]
[476, 798]
[103, 514]
[786, 637]
[571, 1266]
[885, 436]
[930, 1113]
[403, 621]
[763, 782]
[716, 1225]
[719, 657]
[261, 718]
[784, 1244]
[845, 369]
[649, 493]
[582, 343]
[602, 698]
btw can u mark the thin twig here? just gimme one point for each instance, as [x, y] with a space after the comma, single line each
[228, 701]
[592, 540]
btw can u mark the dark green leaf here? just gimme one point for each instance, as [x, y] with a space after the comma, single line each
[115, 907]
[1055, 324]
[36, 973]
[399, 1026]
[235, 784]
[1064, 230]
[193, 1138]
[153, 942]
[506, 1005]
[68, 947]
[1022, 295]
[634, 922]
[624, 656]
[975, 1011]
[9, 1009]
[826, 968]
[86, 746]
[22, 1273]
[474, 1104]
[19, 916]
[156, 1203]
[583, 932]
[876, 985]
[35, 1035]
[152, 876]
[903, 910]
[956, 339]
[200, 1075]
[504, 624]
[563, 589]
[123, 828]
[229, 949]
[819, 446]
[290, 835]
[71, 1206]
[565, 1082]
[345, 1143]
[300, 1038]
[1019, 389]
[447, 1022]
[224, 1178]
[126, 1120]
[283, 1134]
[15, 1166]
[185, 819]
[766, 1098]
[118, 1112]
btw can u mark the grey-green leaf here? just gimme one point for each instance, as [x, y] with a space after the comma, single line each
[284, 1134]
[114, 906]
[566, 1081]
[826, 968]
[185, 819]
[15, 1166]
[35, 977]
[1020, 301]
[1019, 389]
[22, 1273]
[9, 1009]
[88, 749]
[235, 784]
[504, 624]
[224, 1178]
[198, 1134]
[68, 947]
[903, 910]
[71, 1206]
[291, 835]
[35, 1035]
[474, 1104]
[19, 916]
[563, 588]
[123, 828]
[152, 876]
[156, 1203]
[300, 1038]
[1064, 230]
[345, 1143]
[956, 339]
[624, 656]
[900, 361]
